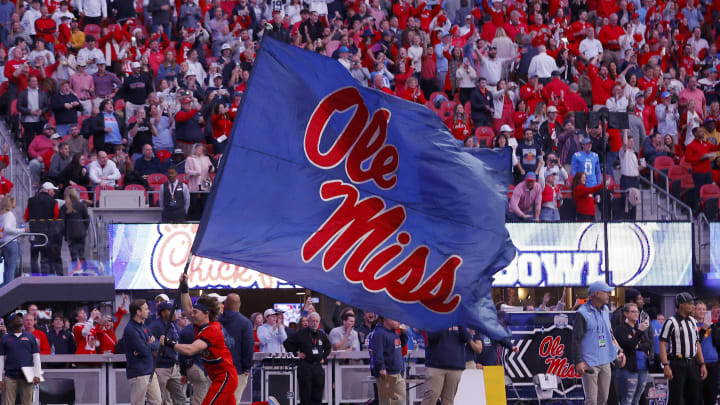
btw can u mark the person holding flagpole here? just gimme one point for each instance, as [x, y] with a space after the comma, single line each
[210, 344]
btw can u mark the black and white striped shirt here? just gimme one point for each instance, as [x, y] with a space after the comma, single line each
[681, 335]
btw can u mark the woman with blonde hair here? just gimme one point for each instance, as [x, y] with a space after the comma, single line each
[198, 167]
[11, 251]
[505, 46]
[75, 218]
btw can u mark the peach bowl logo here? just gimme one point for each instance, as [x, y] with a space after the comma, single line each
[171, 251]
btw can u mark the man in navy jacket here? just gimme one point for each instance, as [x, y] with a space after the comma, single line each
[386, 362]
[166, 367]
[444, 364]
[18, 349]
[139, 347]
[240, 328]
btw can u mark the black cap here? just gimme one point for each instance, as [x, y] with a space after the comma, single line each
[90, 38]
[683, 298]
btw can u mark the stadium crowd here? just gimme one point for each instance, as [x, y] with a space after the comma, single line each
[142, 95]
[106, 95]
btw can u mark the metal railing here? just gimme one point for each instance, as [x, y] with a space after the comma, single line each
[28, 234]
[662, 194]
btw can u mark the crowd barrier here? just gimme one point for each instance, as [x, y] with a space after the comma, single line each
[100, 379]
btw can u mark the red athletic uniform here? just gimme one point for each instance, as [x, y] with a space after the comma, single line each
[219, 365]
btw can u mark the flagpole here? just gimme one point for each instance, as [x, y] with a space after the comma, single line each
[176, 303]
[605, 197]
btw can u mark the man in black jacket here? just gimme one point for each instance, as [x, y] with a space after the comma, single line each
[135, 90]
[549, 130]
[241, 329]
[65, 106]
[32, 104]
[312, 347]
[481, 104]
[41, 213]
[311, 29]
[279, 31]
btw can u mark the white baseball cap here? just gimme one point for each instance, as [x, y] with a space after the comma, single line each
[48, 186]
[506, 128]
[218, 297]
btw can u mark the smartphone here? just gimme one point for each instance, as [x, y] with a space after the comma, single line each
[315, 300]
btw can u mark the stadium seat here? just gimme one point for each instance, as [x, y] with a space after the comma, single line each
[511, 188]
[156, 194]
[156, 178]
[93, 29]
[82, 191]
[134, 187]
[684, 163]
[709, 200]
[663, 164]
[485, 136]
[676, 175]
[446, 109]
[183, 178]
[121, 180]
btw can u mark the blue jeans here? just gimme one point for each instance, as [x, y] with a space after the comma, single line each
[513, 217]
[627, 383]
[549, 214]
[612, 157]
[642, 378]
[11, 256]
[63, 129]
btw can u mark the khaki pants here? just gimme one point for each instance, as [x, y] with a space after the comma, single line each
[394, 394]
[200, 383]
[440, 383]
[170, 387]
[142, 388]
[596, 386]
[242, 383]
[11, 387]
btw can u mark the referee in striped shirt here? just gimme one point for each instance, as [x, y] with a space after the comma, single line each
[680, 353]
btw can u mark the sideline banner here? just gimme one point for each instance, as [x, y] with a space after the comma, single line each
[544, 341]
[572, 254]
[152, 256]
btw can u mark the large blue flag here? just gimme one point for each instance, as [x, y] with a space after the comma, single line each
[359, 195]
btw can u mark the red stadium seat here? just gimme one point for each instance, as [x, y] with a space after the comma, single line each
[183, 178]
[663, 163]
[485, 136]
[136, 187]
[511, 188]
[156, 194]
[93, 29]
[710, 201]
[157, 178]
[446, 109]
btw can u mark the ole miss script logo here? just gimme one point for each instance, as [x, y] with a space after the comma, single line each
[358, 229]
